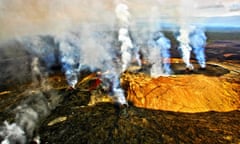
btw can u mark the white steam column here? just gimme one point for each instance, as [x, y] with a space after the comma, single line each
[68, 64]
[69, 56]
[159, 55]
[110, 80]
[127, 48]
[28, 116]
[198, 43]
[36, 73]
[185, 47]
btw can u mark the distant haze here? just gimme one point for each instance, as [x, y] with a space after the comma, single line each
[27, 17]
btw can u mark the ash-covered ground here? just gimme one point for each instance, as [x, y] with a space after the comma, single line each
[104, 123]
[75, 121]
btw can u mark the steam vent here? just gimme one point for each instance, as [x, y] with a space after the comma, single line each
[120, 72]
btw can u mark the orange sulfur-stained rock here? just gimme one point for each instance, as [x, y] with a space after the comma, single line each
[182, 93]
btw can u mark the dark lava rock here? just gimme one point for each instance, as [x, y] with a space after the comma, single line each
[106, 123]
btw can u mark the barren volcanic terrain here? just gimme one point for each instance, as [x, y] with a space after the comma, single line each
[201, 106]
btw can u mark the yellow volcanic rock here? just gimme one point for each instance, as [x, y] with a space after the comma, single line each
[182, 93]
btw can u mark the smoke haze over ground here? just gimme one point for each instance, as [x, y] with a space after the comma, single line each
[26, 17]
[35, 35]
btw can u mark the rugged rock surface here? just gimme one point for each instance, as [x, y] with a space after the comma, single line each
[192, 92]
[104, 123]
[75, 121]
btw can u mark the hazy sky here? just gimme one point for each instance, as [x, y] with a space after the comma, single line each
[208, 8]
[24, 17]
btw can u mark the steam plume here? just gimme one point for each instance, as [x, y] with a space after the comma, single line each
[70, 56]
[185, 47]
[29, 114]
[159, 55]
[192, 38]
[123, 14]
[198, 42]
[127, 48]
[99, 53]
[111, 82]
[12, 134]
[36, 72]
